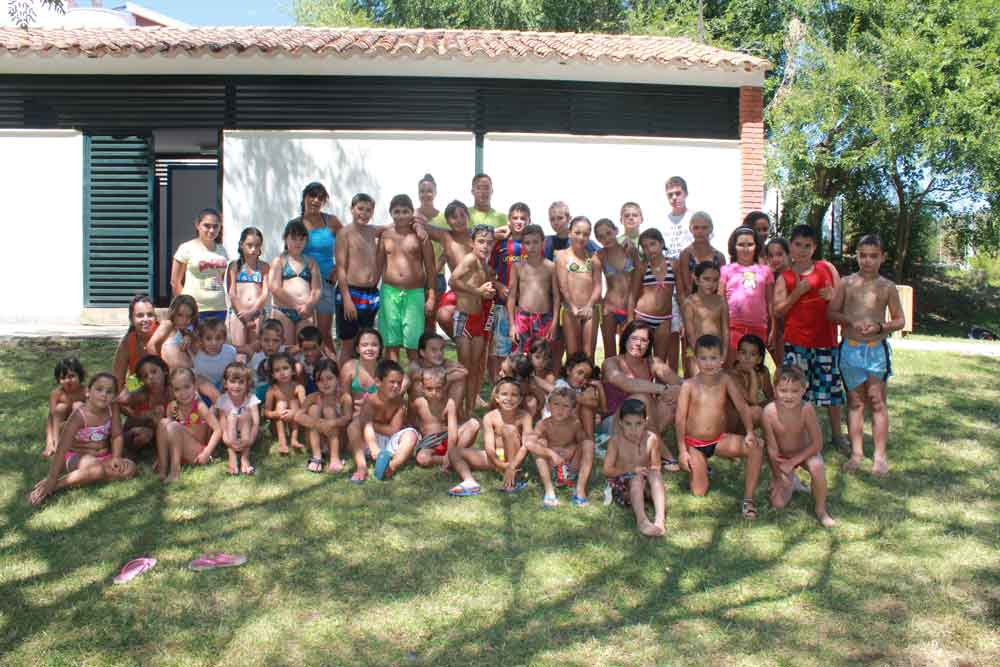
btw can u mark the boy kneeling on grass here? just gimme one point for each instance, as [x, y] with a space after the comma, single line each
[632, 467]
[380, 431]
[794, 441]
[701, 423]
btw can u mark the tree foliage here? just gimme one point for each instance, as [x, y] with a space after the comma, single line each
[22, 12]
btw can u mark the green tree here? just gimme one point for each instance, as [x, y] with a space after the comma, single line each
[22, 12]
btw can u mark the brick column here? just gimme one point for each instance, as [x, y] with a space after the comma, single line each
[751, 149]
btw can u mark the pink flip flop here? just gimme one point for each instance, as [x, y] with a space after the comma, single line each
[133, 569]
[215, 560]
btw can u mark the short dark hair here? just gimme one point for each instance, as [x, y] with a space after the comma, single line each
[790, 372]
[401, 201]
[519, 206]
[481, 175]
[702, 267]
[677, 181]
[871, 239]
[386, 366]
[652, 234]
[576, 359]
[802, 232]
[455, 205]
[362, 197]
[483, 229]
[69, 365]
[427, 337]
[521, 364]
[310, 333]
[325, 364]
[533, 230]
[630, 407]
[208, 324]
[631, 328]
[151, 359]
[273, 325]
[708, 342]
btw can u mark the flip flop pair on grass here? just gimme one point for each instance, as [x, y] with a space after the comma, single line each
[209, 561]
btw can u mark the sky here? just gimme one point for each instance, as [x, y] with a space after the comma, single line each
[217, 12]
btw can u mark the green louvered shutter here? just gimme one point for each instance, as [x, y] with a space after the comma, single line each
[118, 225]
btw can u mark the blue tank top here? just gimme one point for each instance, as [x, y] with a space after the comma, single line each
[321, 246]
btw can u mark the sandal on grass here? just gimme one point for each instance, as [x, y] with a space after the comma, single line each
[133, 569]
[315, 465]
[336, 465]
[461, 490]
[748, 509]
[549, 502]
[670, 464]
[215, 560]
[382, 463]
[358, 478]
[580, 501]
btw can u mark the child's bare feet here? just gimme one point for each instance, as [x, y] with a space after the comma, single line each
[336, 465]
[880, 467]
[647, 528]
[826, 520]
[297, 446]
[172, 477]
[852, 464]
[246, 468]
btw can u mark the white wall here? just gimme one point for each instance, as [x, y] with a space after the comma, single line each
[265, 171]
[41, 212]
[596, 175]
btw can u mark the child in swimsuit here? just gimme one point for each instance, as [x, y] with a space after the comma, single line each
[534, 295]
[543, 380]
[90, 444]
[430, 356]
[239, 417]
[618, 262]
[776, 251]
[146, 406]
[504, 433]
[189, 432]
[270, 341]
[67, 396]
[435, 415]
[705, 312]
[591, 404]
[562, 448]
[174, 339]
[701, 423]
[652, 292]
[384, 435]
[325, 414]
[579, 276]
[283, 399]
[752, 377]
[249, 289]
[632, 468]
[296, 283]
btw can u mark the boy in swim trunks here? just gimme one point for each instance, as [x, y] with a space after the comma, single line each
[357, 297]
[859, 305]
[562, 449]
[504, 433]
[435, 415]
[632, 468]
[380, 430]
[475, 286]
[407, 267]
[533, 300]
[701, 423]
[794, 441]
[430, 355]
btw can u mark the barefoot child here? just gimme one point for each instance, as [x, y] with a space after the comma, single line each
[865, 357]
[802, 296]
[296, 282]
[518, 366]
[562, 449]
[578, 273]
[67, 396]
[271, 340]
[632, 468]
[212, 357]
[543, 380]
[794, 441]
[357, 298]
[435, 415]
[752, 377]
[533, 299]
[705, 312]
[475, 286]
[701, 423]
[456, 244]
[381, 431]
[249, 289]
[310, 353]
[147, 405]
[749, 290]
[406, 265]
[174, 339]
[90, 444]
[591, 403]
[618, 262]
[776, 252]
[652, 292]
[430, 356]
[239, 417]
[325, 413]
[189, 432]
[504, 432]
[283, 399]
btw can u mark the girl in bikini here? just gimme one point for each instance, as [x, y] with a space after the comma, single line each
[189, 432]
[325, 414]
[296, 283]
[283, 399]
[142, 324]
[618, 262]
[249, 289]
[63, 400]
[652, 291]
[90, 444]
[146, 406]
[578, 274]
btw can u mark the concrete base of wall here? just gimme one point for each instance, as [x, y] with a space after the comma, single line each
[112, 316]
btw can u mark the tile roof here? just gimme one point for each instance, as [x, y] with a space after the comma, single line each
[669, 52]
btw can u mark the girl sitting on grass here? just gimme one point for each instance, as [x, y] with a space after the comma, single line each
[90, 444]
[146, 406]
[66, 397]
[189, 433]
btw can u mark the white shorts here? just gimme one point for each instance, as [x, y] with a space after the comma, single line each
[391, 442]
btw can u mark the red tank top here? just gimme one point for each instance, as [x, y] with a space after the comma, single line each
[806, 324]
[134, 353]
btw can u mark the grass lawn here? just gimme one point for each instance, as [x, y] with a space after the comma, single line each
[400, 574]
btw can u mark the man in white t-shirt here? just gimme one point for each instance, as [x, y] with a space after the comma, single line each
[676, 236]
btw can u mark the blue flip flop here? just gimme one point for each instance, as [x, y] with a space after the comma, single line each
[460, 491]
[580, 501]
[382, 463]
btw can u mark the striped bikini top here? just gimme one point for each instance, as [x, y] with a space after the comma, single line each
[649, 279]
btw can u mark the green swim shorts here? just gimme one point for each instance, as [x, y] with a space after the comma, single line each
[401, 317]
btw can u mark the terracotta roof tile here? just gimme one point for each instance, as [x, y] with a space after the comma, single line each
[672, 52]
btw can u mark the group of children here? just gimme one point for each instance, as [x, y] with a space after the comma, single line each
[517, 304]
